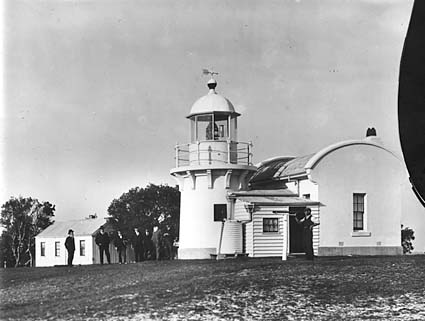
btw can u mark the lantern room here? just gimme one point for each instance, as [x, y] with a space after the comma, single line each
[213, 118]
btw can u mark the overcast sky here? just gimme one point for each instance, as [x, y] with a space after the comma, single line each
[96, 92]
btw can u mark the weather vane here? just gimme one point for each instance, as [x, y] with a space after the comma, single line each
[208, 72]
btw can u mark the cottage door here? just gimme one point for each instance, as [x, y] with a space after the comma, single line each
[295, 231]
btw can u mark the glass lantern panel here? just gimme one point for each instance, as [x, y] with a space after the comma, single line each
[223, 129]
[204, 127]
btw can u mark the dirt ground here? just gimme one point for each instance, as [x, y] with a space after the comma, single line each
[349, 288]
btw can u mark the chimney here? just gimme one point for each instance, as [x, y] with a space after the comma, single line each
[372, 137]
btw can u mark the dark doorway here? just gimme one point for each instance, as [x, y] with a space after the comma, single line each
[295, 231]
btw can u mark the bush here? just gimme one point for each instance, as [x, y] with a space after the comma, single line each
[407, 236]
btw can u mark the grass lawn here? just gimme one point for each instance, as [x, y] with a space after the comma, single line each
[351, 288]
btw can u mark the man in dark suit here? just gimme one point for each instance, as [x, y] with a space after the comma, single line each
[308, 225]
[138, 245]
[147, 245]
[70, 246]
[102, 240]
[121, 245]
[157, 241]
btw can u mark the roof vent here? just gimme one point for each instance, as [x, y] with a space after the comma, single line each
[371, 132]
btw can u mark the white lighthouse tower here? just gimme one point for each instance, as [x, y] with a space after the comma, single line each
[213, 164]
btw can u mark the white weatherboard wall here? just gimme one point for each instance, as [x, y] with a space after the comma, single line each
[50, 259]
[263, 244]
[359, 169]
[260, 244]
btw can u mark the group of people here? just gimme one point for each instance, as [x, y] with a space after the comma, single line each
[146, 246]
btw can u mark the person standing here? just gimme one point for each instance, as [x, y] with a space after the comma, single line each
[157, 241]
[138, 245]
[70, 246]
[147, 245]
[121, 246]
[308, 225]
[102, 240]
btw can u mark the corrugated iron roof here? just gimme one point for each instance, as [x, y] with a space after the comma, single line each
[294, 167]
[82, 227]
[268, 169]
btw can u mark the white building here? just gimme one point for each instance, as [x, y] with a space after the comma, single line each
[356, 190]
[360, 187]
[50, 244]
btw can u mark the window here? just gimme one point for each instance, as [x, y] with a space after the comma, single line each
[306, 196]
[82, 248]
[42, 248]
[220, 212]
[270, 225]
[358, 211]
[57, 249]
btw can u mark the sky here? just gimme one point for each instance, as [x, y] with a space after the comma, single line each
[96, 93]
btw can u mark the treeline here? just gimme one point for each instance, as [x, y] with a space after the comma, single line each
[23, 218]
[145, 207]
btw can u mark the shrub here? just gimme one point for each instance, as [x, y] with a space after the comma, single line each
[407, 236]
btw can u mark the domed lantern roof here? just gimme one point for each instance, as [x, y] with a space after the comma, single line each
[212, 103]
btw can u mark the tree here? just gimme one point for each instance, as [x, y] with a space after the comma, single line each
[23, 219]
[145, 207]
[407, 236]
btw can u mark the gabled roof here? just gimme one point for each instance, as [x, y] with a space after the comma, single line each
[82, 227]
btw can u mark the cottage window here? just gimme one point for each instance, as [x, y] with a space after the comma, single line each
[270, 225]
[42, 248]
[82, 248]
[220, 212]
[358, 211]
[57, 249]
[306, 196]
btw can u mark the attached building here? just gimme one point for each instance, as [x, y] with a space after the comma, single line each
[358, 186]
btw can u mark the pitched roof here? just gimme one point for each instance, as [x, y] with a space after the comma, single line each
[82, 227]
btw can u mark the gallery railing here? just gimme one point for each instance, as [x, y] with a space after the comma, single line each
[211, 152]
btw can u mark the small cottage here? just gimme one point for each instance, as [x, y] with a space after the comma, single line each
[50, 244]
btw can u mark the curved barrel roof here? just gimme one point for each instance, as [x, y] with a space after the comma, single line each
[284, 167]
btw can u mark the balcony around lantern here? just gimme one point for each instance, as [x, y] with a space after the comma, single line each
[213, 152]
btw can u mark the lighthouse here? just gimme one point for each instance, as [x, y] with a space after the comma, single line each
[209, 167]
